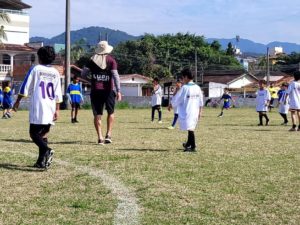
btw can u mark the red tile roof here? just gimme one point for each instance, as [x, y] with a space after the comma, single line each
[17, 48]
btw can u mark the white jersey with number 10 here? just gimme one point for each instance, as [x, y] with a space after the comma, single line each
[42, 84]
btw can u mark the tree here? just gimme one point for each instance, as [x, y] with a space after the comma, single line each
[215, 45]
[4, 18]
[230, 49]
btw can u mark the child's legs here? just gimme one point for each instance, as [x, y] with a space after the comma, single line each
[175, 119]
[191, 139]
[38, 134]
[293, 117]
[298, 116]
[152, 113]
[159, 112]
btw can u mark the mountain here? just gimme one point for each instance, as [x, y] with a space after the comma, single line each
[250, 46]
[91, 34]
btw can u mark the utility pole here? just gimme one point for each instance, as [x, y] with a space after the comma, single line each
[67, 52]
[196, 69]
[268, 67]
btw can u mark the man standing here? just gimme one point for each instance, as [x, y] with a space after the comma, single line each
[102, 71]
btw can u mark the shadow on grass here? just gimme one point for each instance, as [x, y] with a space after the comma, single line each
[148, 128]
[18, 140]
[143, 149]
[9, 166]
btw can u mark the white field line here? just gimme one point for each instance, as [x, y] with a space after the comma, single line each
[127, 212]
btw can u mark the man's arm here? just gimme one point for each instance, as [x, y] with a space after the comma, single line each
[17, 103]
[116, 78]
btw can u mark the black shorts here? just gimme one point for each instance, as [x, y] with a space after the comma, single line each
[75, 105]
[39, 129]
[101, 98]
[6, 105]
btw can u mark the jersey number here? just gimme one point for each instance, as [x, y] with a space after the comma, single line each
[49, 89]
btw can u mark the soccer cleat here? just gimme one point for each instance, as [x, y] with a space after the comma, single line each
[260, 124]
[72, 120]
[8, 115]
[48, 158]
[5, 117]
[171, 128]
[107, 139]
[76, 121]
[284, 123]
[159, 121]
[100, 142]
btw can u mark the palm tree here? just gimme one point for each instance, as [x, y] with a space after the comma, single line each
[4, 17]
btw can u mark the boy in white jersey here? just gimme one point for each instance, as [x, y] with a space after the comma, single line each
[42, 83]
[293, 92]
[263, 98]
[189, 101]
[156, 100]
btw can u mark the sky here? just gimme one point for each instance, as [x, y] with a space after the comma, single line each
[261, 21]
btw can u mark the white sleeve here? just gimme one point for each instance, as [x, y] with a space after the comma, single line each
[178, 98]
[27, 85]
[57, 90]
[268, 96]
[201, 99]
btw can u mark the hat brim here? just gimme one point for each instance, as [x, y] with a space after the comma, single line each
[101, 51]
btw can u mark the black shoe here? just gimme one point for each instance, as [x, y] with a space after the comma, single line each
[190, 149]
[185, 145]
[108, 139]
[260, 124]
[76, 121]
[100, 142]
[72, 120]
[48, 158]
[39, 165]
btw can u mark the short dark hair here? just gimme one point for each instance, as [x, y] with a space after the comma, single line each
[75, 77]
[46, 54]
[187, 73]
[297, 75]
[156, 79]
[262, 82]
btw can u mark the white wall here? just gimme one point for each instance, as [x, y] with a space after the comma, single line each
[17, 30]
[130, 90]
[241, 82]
[216, 90]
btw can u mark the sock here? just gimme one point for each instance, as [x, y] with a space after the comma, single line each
[191, 139]
[260, 119]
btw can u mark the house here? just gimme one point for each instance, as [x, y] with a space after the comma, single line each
[214, 82]
[134, 85]
[14, 52]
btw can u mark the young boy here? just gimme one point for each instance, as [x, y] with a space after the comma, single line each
[263, 98]
[283, 106]
[226, 98]
[189, 101]
[75, 97]
[293, 92]
[178, 86]
[42, 83]
[7, 100]
[156, 100]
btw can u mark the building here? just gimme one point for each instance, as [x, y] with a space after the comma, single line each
[133, 84]
[14, 52]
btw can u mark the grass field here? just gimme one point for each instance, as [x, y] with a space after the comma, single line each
[241, 173]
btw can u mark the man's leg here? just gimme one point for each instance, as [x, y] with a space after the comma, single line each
[97, 124]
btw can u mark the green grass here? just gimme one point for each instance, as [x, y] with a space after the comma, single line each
[241, 174]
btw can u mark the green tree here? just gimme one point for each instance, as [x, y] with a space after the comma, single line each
[230, 49]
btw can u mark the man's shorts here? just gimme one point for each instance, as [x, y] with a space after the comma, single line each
[101, 98]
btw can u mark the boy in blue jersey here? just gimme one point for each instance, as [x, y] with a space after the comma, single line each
[42, 84]
[283, 106]
[75, 97]
[7, 100]
[226, 98]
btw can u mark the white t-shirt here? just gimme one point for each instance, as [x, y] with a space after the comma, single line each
[294, 94]
[42, 84]
[188, 100]
[262, 97]
[283, 108]
[156, 96]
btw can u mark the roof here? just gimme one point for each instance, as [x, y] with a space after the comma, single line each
[13, 4]
[16, 48]
[225, 78]
[262, 74]
[129, 76]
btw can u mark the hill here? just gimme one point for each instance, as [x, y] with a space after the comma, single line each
[250, 46]
[91, 34]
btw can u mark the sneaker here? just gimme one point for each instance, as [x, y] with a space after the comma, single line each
[190, 149]
[100, 142]
[284, 123]
[5, 117]
[76, 121]
[293, 129]
[159, 121]
[39, 165]
[260, 124]
[107, 139]
[72, 120]
[8, 115]
[171, 128]
[48, 158]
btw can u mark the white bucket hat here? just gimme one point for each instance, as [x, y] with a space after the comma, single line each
[103, 48]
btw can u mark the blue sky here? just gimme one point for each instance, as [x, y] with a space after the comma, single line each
[261, 21]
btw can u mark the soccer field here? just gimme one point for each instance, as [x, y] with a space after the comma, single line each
[241, 173]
